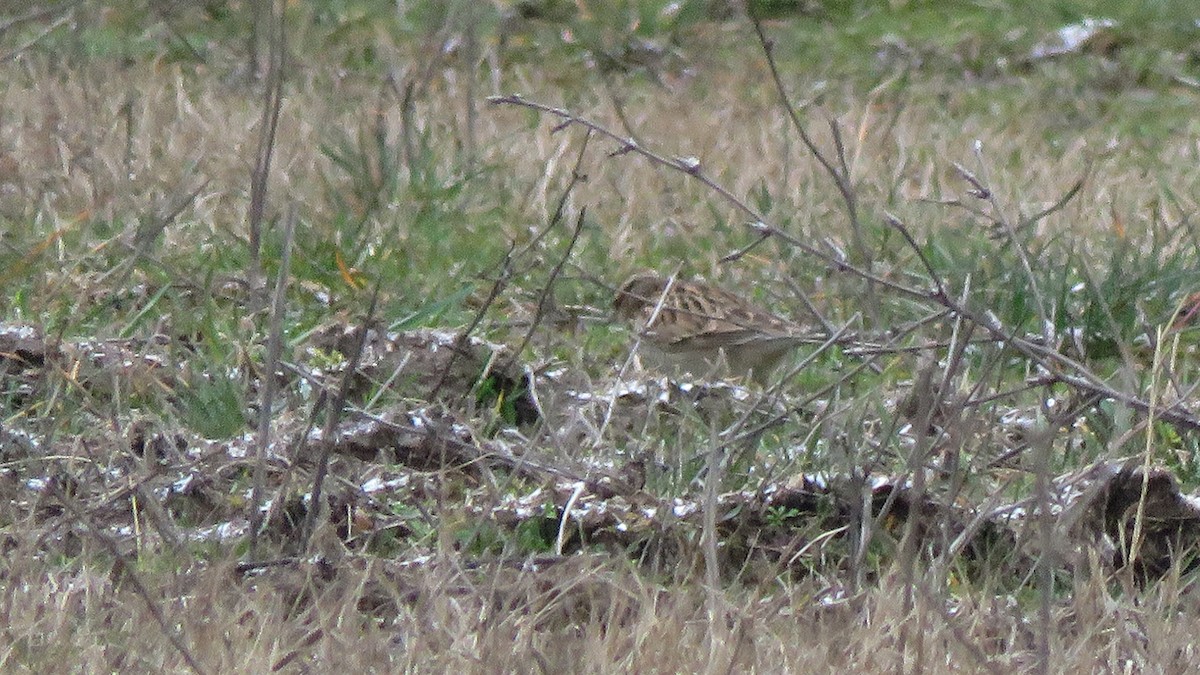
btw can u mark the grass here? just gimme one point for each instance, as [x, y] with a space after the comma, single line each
[713, 528]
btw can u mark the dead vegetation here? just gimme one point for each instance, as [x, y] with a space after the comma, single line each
[412, 441]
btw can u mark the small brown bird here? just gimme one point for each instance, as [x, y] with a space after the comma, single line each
[701, 329]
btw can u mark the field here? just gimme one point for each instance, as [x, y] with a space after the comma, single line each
[310, 362]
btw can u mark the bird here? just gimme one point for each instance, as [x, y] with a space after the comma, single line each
[703, 330]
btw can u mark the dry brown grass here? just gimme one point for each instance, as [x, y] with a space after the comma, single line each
[581, 615]
[88, 152]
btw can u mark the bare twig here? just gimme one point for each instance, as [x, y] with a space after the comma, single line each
[687, 165]
[840, 180]
[331, 421]
[407, 129]
[1057, 366]
[692, 168]
[743, 251]
[618, 104]
[1057, 205]
[148, 232]
[1010, 234]
[577, 177]
[471, 56]
[933, 274]
[840, 174]
[269, 381]
[544, 296]
[272, 102]
[498, 287]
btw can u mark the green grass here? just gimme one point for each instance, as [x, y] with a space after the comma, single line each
[417, 186]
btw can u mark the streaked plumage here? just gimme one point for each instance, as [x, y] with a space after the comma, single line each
[703, 329]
